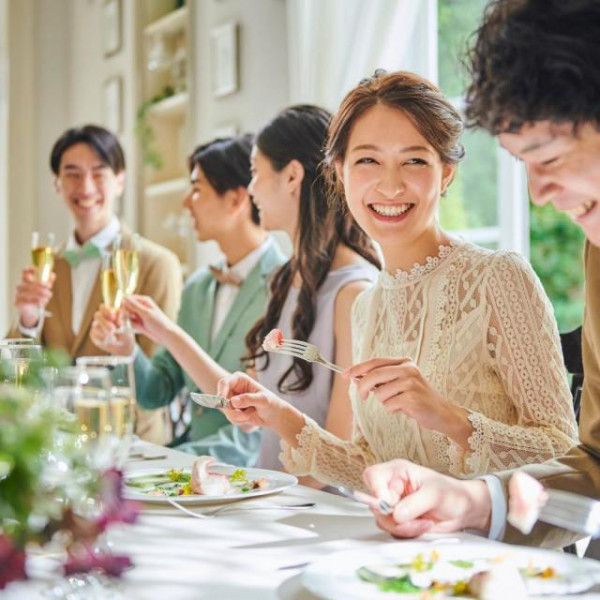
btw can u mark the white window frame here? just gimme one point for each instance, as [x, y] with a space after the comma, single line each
[512, 231]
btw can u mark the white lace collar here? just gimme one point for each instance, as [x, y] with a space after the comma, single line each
[418, 271]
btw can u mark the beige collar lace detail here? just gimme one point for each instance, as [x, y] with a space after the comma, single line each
[389, 280]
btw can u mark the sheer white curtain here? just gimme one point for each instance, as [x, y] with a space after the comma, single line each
[333, 44]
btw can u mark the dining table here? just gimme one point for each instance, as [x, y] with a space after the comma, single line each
[246, 554]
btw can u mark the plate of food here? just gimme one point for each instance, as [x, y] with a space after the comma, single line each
[411, 570]
[206, 482]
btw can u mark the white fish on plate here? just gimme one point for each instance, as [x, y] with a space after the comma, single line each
[207, 483]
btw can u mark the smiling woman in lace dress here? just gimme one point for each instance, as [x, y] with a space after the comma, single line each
[476, 381]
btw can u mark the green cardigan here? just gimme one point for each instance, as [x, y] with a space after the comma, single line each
[160, 379]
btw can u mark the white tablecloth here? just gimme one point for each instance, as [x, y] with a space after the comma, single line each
[237, 555]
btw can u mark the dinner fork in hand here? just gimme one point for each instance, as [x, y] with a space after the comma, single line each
[305, 351]
[209, 514]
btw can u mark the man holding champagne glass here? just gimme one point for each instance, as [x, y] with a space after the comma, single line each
[89, 168]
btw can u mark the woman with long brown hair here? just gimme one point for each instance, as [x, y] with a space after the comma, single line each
[311, 295]
[475, 380]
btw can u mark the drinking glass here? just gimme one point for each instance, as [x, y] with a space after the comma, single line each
[85, 396]
[111, 292]
[42, 258]
[122, 392]
[17, 359]
[126, 265]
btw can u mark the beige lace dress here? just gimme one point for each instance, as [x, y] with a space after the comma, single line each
[481, 329]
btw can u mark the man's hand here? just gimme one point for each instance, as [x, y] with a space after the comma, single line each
[106, 335]
[427, 501]
[32, 296]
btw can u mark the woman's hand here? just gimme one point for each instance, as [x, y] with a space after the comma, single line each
[400, 386]
[147, 318]
[105, 334]
[256, 406]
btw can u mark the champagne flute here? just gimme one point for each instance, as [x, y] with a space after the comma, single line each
[126, 263]
[111, 292]
[122, 403]
[42, 257]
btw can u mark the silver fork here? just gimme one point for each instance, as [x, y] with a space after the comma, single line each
[572, 511]
[305, 351]
[209, 514]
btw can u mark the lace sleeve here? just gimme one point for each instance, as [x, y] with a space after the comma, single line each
[327, 458]
[319, 453]
[524, 345]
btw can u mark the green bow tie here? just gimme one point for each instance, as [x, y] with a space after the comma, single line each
[87, 252]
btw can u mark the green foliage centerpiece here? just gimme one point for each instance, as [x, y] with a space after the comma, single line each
[49, 494]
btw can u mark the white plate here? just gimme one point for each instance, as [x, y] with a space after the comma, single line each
[277, 482]
[334, 577]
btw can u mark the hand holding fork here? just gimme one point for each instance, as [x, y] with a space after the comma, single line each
[250, 404]
[275, 342]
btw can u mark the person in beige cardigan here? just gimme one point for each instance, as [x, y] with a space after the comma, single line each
[89, 169]
[535, 88]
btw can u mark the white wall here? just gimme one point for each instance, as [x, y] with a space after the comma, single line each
[22, 165]
[264, 86]
[263, 64]
[4, 287]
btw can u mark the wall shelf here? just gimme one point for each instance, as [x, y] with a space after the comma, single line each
[171, 107]
[166, 188]
[170, 24]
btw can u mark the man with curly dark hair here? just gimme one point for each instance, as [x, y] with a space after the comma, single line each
[535, 68]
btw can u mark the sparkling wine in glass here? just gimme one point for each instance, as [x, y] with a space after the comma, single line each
[17, 360]
[126, 265]
[122, 402]
[42, 258]
[111, 292]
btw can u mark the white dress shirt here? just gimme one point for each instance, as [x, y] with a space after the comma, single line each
[85, 274]
[226, 294]
[83, 277]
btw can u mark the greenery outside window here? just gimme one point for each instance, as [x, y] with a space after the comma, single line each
[487, 203]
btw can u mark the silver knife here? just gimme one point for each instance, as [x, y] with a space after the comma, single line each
[210, 400]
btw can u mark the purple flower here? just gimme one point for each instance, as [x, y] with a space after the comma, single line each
[115, 508]
[12, 562]
[83, 559]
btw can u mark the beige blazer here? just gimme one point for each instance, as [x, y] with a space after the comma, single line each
[579, 470]
[160, 277]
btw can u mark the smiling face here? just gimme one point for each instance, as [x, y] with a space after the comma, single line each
[274, 193]
[393, 178]
[563, 168]
[207, 208]
[89, 188]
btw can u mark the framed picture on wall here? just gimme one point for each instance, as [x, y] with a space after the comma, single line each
[113, 104]
[111, 26]
[225, 59]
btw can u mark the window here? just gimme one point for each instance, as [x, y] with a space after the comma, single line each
[486, 202]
